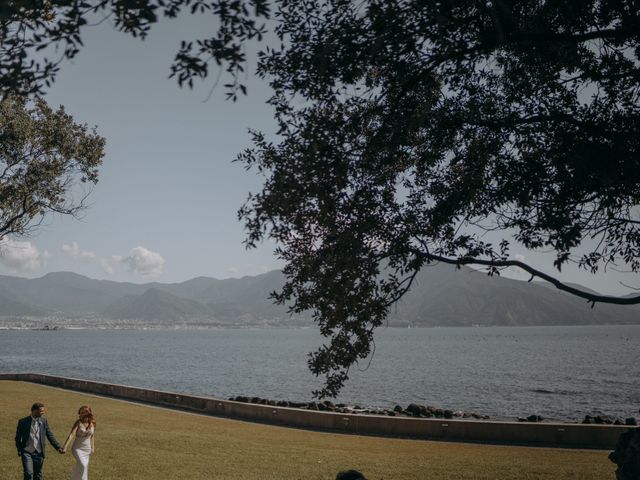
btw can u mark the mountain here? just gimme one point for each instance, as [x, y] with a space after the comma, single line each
[446, 296]
[440, 296]
[11, 306]
[155, 305]
[68, 293]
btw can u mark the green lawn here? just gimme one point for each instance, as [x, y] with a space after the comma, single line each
[144, 443]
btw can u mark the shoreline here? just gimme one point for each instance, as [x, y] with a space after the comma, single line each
[457, 430]
[415, 410]
[100, 324]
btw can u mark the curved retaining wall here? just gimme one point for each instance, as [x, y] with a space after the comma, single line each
[537, 434]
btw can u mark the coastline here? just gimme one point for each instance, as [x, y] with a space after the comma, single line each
[473, 431]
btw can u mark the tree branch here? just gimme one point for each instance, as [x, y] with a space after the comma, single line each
[592, 298]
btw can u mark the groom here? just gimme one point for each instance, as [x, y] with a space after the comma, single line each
[30, 442]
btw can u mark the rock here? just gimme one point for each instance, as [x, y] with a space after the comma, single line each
[631, 421]
[589, 420]
[448, 414]
[522, 419]
[439, 412]
[414, 409]
[313, 406]
[397, 409]
[604, 419]
[534, 418]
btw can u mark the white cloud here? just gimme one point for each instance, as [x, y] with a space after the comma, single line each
[22, 256]
[109, 263]
[73, 250]
[143, 262]
[107, 266]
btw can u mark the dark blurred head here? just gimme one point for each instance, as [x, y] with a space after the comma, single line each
[350, 475]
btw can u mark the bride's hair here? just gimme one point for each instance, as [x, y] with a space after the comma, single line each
[86, 415]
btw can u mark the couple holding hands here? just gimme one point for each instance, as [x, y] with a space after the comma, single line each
[30, 443]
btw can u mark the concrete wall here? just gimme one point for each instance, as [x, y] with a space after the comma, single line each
[539, 434]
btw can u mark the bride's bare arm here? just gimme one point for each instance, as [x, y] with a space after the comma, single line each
[72, 434]
[93, 441]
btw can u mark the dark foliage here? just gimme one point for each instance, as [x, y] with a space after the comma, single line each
[53, 28]
[409, 128]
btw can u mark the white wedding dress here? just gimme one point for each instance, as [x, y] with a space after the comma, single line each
[81, 451]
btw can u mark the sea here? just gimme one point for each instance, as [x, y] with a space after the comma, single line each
[559, 373]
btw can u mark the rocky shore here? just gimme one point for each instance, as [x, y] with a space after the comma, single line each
[412, 410]
[417, 411]
[609, 420]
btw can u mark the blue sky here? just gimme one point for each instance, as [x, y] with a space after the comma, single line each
[166, 201]
[165, 205]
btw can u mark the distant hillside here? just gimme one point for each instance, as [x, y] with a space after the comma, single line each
[68, 293]
[441, 296]
[11, 306]
[448, 297]
[155, 305]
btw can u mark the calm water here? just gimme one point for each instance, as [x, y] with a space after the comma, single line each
[556, 372]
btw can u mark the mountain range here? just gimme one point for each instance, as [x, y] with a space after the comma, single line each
[440, 296]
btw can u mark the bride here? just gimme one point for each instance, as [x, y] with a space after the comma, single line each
[84, 444]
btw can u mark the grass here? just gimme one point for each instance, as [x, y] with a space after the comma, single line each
[144, 443]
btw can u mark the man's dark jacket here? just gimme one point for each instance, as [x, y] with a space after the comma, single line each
[24, 429]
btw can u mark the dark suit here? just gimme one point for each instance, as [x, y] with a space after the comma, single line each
[32, 462]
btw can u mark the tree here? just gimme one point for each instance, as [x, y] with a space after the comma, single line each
[409, 128]
[33, 32]
[45, 159]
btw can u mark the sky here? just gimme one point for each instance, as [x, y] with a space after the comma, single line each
[165, 207]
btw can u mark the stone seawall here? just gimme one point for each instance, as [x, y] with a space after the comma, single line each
[533, 434]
